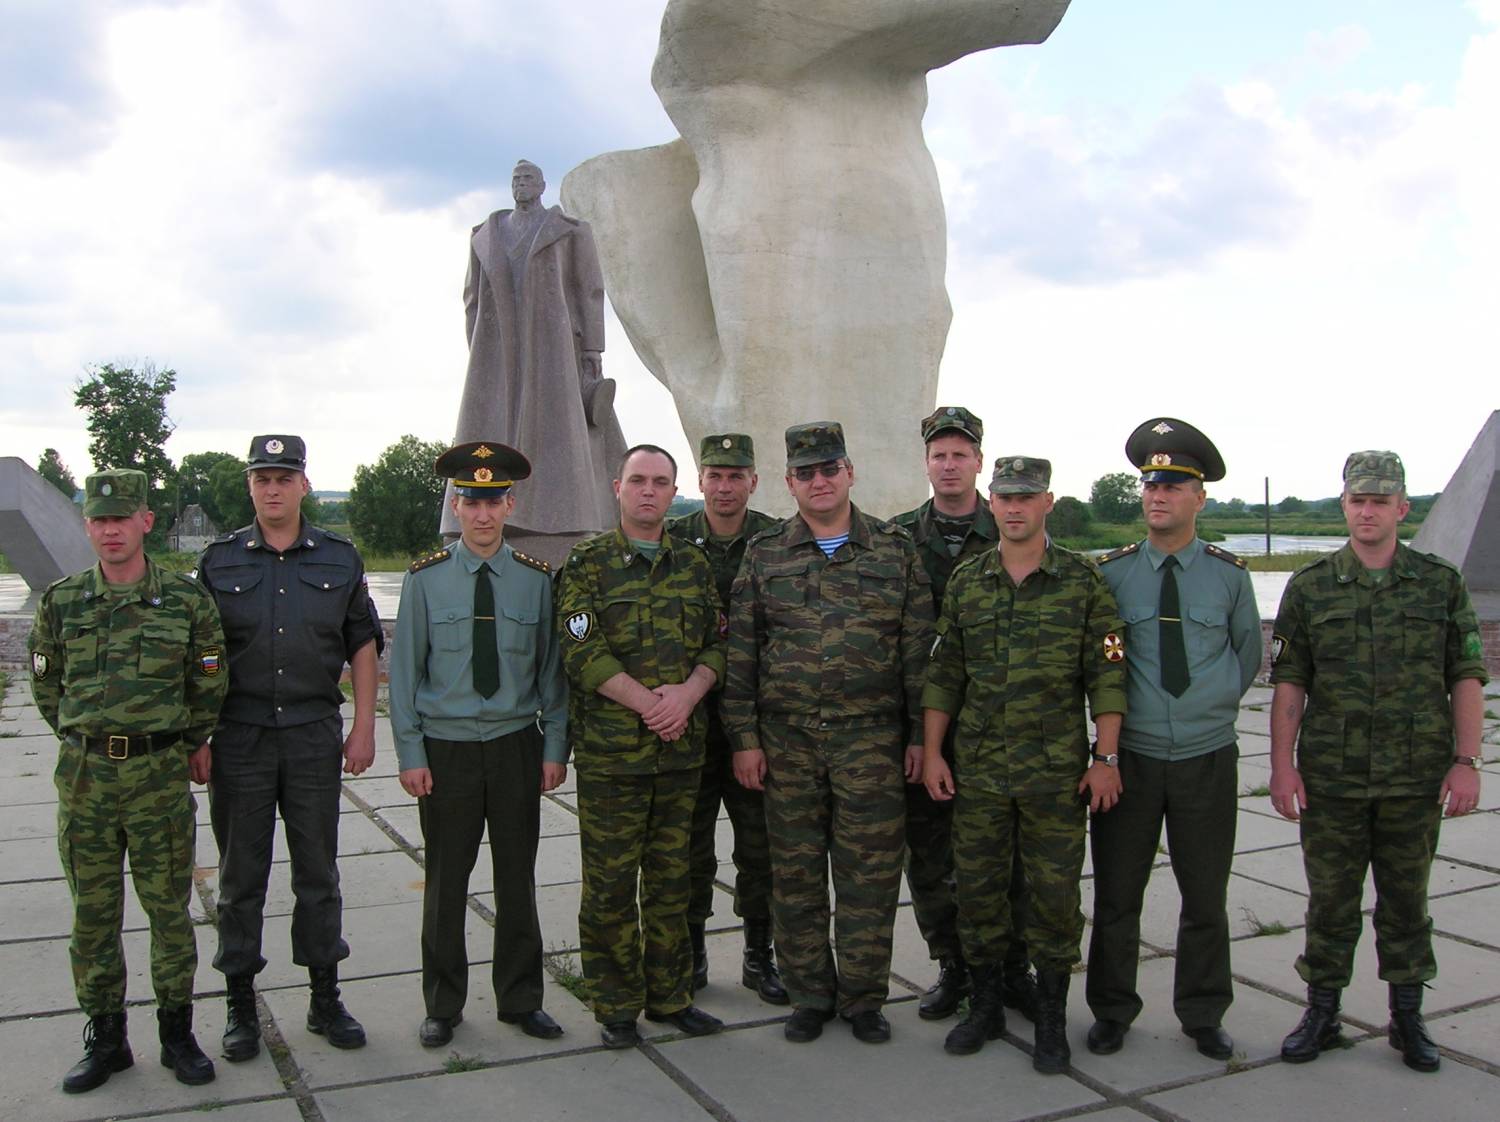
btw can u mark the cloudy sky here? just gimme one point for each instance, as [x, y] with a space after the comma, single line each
[1280, 221]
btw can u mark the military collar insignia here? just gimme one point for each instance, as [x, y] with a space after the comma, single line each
[579, 626]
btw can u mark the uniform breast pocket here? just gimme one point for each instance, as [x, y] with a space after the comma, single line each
[1141, 631]
[695, 619]
[1424, 627]
[518, 627]
[452, 629]
[881, 585]
[621, 620]
[980, 633]
[1207, 632]
[1332, 634]
[237, 592]
[325, 593]
[80, 655]
[784, 591]
[163, 648]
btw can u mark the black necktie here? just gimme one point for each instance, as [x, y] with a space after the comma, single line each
[1174, 666]
[486, 652]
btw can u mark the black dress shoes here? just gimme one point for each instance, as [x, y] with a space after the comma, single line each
[1212, 1041]
[691, 1020]
[535, 1023]
[1107, 1037]
[870, 1026]
[437, 1031]
[805, 1024]
[620, 1034]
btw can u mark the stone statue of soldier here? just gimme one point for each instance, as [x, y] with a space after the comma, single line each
[534, 310]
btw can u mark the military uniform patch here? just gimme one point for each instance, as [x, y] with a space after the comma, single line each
[39, 665]
[1473, 645]
[1278, 644]
[579, 625]
[1114, 648]
[209, 660]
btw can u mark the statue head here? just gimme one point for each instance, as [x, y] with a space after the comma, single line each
[526, 182]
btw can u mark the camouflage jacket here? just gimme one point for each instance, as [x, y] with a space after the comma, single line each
[107, 663]
[654, 620]
[725, 557]
[933, 550]
[828, 642]
[1015, 664]
[1378, 659]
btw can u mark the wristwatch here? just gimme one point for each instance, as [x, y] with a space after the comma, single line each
[1475, 762]
[1111, 760]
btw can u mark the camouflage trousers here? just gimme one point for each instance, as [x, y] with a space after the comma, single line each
[1049, 830]
[105, 809]
[633, 841]
[752, 853]
[1343, 838]
[835, 797]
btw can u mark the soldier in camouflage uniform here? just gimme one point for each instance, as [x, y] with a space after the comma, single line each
[952, 525]
[726, 475]
[1028, 632]
[643, 643]
[126, 666]
[831, 618]
[1379, 672]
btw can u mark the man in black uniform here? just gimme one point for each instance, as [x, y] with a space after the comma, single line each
[295, 610]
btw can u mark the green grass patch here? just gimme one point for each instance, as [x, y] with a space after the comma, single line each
[389, 562]
[1258, 791]
[564, 970]
[456, 1063]
[1259, 926]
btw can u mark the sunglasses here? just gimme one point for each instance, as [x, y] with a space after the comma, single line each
[807, 474]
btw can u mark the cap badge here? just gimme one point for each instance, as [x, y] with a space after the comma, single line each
[483, 452]
[483, 475]
[1161, 428]
[275, 447]
[728, 443]
[106, 490]
[1018, 464]
[1160, 459]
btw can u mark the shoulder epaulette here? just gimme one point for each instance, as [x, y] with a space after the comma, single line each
[892, 527]
[1116, 554]
[1223, 555]
[334, 535]
[908, 518]
[535, 562]
[57, 582]
[226, 536]
[765, 535]
[1441, 562]
[431, 559]
[1320, 559]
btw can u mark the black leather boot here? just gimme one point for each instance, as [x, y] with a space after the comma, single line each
[986, 1016]
[179, 1048]
[1018, 989]
[1408, 1032]
[696, 936]
[105, 1051]
[1051, 1055]
[1317, 1030]
[759, 972]
[326, 1014]
[241, 1021]
[951, 987]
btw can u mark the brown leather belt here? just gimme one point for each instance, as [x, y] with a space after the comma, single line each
[124, 747]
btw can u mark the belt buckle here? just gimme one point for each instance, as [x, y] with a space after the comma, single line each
[124, 742]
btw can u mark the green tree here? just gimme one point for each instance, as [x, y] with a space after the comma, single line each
[128, 427]
[1070, 517]
[396, 503]
[51, 468]
[1116, 497]
[193, 481]
[225, 497]
[1291, 505]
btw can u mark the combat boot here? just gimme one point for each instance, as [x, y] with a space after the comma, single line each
[950, 988]
[1051, 1054]
[241, 1021]
[1408, 1032]
[179, 1048]
[700, 956]
[326, 1014]
[986, 1016]
[1317, 1030]
[105, 1051]
[759, 972]
[1018, 989]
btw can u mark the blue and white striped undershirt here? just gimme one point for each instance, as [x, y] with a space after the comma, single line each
[828, 545]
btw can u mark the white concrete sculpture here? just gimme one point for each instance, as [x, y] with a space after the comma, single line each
[1463, 526]
[783, 261]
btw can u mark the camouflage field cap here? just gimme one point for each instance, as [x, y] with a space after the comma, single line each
[1374, 473]
[1021, 475]
[114, 494]
[1166, 450]
[952, 418]
[482, 469]
[726, 449]
[277, 451]
[816, 442]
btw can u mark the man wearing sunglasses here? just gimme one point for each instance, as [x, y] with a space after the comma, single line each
[830, 624]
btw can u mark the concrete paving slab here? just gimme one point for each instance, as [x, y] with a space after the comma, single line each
[1469, 915]
[837, 1078]
[1472, 839]
[1474, 1033]
[23, 790]
[29, 859]
[35, 820]
[378, 791]
[1250, 905]
[1367, 1081]
[45, 1047]
[594, 1085]
[27, 755]
[277, 1110]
